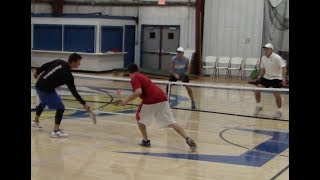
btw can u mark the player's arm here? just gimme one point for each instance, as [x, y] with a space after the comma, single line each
[261, 73]
[74, 92]
[262, 70]
[42, 68]
[171, 65]
[132, 96]
[284, 70]
[188, 67]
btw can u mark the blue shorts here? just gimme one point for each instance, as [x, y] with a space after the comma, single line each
[50, 99]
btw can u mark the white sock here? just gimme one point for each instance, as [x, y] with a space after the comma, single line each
[280, 109]
[259, 105]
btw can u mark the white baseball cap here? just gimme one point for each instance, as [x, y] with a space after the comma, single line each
[268, 46]
[180, 49]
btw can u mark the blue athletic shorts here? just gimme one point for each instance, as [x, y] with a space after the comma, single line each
[50, 99]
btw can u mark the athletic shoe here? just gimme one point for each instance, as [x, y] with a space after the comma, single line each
[58, 134]
[145, 143]
[257, 110]
[36, 124]
[191, 143]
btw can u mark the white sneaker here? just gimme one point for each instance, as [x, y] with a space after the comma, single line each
[36, 124]
[257, 110]
[59, 134]
[277, 115]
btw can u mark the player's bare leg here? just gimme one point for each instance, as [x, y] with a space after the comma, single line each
[145, 141]
[278, 113]
[193, 106]
[182, 133]
[258, 99]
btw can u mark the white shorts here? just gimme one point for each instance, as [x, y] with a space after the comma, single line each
[161, 112]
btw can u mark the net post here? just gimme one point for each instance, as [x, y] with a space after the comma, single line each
[169, 91]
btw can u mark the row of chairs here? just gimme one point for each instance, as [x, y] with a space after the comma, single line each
[229, 64]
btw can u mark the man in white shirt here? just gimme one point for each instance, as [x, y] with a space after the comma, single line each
[272, 74]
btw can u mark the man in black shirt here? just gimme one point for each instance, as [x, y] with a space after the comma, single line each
[52, 75]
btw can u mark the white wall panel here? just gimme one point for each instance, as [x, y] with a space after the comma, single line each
[183, 16]
[40, 8]
[233, 28]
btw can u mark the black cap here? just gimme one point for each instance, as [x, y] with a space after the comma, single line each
[132, 68]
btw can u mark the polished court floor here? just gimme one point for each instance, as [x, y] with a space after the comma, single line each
[229, 147]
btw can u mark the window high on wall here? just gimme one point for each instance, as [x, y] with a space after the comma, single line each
[73, 38]
[47, 37]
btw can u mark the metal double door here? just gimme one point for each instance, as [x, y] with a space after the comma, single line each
[159, 45]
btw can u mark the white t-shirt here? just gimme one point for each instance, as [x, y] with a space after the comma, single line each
[272, 66]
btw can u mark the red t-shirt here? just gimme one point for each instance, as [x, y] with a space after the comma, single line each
[151, 93]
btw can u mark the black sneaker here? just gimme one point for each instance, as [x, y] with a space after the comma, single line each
[191, 143]
[145, 143]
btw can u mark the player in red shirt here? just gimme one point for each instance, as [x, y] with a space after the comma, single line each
[154, 105]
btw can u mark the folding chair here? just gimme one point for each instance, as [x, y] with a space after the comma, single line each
[223, 64]
[235, 64]
[249, 65]
[210, 63]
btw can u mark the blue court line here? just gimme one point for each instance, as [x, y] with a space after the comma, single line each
[266, 151]
[220, 134]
